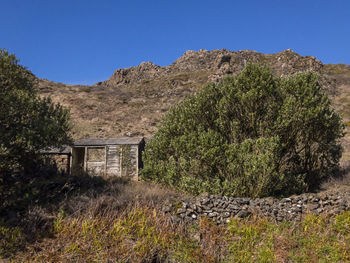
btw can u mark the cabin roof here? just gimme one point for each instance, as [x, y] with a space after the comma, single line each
[111, 141]
[65, 149]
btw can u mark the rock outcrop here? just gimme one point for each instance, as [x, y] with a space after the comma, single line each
[217, 63]
[146, 70]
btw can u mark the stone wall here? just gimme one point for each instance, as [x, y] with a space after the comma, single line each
[222, 208]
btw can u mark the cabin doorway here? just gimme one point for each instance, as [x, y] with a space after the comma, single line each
[78, 154]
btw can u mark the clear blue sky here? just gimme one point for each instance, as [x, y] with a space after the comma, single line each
[84, 41]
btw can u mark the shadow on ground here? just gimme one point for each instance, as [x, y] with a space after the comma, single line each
[29, 201]
[29, 210]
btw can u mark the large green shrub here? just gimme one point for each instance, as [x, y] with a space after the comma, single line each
[250, 135]
[28, 123]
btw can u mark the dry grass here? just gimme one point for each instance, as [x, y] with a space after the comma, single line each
[86, 226]
[144, 234]
[341, 180]
[118, 196]
[133, 109]
[123, 222]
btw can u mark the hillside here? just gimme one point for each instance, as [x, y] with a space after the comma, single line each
[67, 218]
[133, 101]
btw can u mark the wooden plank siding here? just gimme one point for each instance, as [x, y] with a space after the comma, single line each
[122, 161]
[113, 161]
[119, 157]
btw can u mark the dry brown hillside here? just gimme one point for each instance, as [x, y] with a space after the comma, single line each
[133, 101]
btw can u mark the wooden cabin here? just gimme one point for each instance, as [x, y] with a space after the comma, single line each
[120, 157]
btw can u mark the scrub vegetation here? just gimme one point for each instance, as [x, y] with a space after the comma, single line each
[251, 135]
[28, 124]
[122, 222]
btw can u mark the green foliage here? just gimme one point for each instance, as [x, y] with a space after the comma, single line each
[252, 241]
[142, 234]
[11, 239]
[314, 239]
[28, 123]
[250, 135]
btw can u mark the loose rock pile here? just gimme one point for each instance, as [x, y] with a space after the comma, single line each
[222, 208]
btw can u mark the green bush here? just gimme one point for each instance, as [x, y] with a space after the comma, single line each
[250, 135]
[28, 123]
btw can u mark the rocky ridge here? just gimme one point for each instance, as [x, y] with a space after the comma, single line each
[222, 208]
[217, 63]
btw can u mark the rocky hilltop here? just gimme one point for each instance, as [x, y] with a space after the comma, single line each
[216, 63]
[133, 101]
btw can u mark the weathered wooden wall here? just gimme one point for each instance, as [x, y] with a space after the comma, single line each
[113, 161]
[122, 160]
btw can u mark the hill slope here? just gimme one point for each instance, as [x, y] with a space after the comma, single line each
[133, 101]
